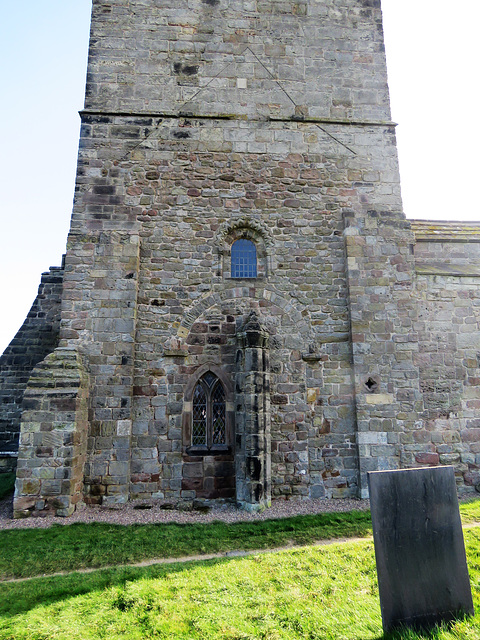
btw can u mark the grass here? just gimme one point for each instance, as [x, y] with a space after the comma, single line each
[470, 511]
[310, 593]
[282, 595]
[314, 593]
[7, 484]
[30, 552]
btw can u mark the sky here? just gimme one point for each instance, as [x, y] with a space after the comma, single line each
[432, 57]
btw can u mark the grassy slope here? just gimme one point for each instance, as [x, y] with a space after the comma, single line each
[327, 593]
[30, 552]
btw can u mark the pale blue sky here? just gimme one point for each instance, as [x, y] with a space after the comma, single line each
[433, 70]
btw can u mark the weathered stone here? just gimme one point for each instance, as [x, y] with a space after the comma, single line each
[421, 564]
[367, 354]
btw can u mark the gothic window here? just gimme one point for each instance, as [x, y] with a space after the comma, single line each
[209, 413]
[243, 259]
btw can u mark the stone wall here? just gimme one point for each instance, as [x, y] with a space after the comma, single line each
[204, 122]
[383, 313]
[208, 121]
[243, 58]
[37, 337]
[448, 289]
[355, 348]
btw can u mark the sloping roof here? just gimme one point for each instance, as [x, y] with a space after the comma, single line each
[445, 231]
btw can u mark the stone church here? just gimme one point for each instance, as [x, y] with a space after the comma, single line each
[243, 312]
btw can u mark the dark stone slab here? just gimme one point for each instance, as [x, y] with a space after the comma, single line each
[419, 549]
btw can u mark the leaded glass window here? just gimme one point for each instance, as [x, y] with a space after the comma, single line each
[209, 413]
[244, 259]
[199, 427]
[218, 415]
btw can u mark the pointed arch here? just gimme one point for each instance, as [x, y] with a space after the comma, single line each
[208, 416]
[209, 412]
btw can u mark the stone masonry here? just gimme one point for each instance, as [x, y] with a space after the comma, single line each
[37, 337]
[448, 358]
[350, 345]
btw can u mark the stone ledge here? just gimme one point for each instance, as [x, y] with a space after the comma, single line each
[445, 269]
[175, 353]
[379, 398]
[445, 231]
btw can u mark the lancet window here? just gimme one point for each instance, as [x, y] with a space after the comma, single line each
[209, 412]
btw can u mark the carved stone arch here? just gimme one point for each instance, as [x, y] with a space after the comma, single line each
[257, 229]
[284, 306]
[245, 229]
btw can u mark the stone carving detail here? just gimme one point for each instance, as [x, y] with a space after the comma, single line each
[228, 228]
[175, 347]
[313, 354]
[252, 401]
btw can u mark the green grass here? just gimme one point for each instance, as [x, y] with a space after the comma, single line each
[470, 511]
[314, 593]
[7, 484]
[310, 593]
[30, 552]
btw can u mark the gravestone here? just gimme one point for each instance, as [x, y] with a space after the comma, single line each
[420, 554]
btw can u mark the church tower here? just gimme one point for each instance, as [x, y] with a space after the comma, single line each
[236, 263]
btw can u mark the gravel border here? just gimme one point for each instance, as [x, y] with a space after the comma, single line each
[153, 513]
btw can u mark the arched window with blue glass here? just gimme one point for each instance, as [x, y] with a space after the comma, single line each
[243, 259]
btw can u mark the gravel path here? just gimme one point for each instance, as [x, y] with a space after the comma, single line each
[140, 513]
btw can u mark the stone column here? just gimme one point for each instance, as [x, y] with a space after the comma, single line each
[252, 419]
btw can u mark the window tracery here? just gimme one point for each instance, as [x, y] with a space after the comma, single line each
[209, 413]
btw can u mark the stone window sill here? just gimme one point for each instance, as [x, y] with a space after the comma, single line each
[217, 450]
